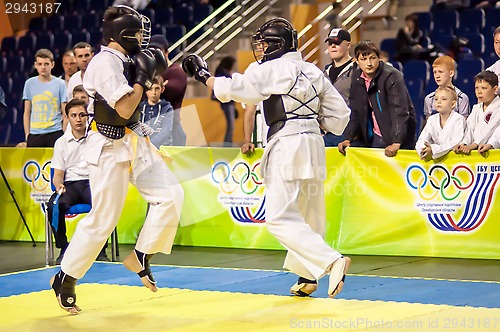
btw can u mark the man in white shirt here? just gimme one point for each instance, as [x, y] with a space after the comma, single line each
[297, 100]
[83, 54]
[71, 174]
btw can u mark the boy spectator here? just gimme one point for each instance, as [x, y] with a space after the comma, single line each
[80, 93]
[443, 130]
[70, 174]
[485, 116]
[382, 114]
[158, 114]
[443, 69]
[44, 99]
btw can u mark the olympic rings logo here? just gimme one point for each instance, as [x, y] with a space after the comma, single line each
[38, 177]
[439, 179]
[239, 176]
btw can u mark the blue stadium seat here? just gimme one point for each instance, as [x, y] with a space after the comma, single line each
[45, 40]
[15, 64]
[9, 45]
[6, 83]
[444, 21]
[466, 72]
[149, 13]
[38, 24]
[183, 15]
[425, 22]
[3, 63]
[471, 21]
[174, 32]
[164, 16]
[476, 43]
[489, 55]
[201, 11]
[158, 29]
[95, 40]
[443, 41]
[389, 45]
[55, 23]
[99, 5]
[91, 22]
[81, 5]
[27, 44]
[492, 20]
[73, 23]
[81, 36]
[431, 85]
[415, 70]
[63, 41]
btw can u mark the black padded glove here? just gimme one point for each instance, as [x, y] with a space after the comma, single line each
[145, 67]
[161, 60]
[194, 65]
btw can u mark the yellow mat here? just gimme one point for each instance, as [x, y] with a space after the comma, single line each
[132, 308]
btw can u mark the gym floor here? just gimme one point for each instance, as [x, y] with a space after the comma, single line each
[219, 289]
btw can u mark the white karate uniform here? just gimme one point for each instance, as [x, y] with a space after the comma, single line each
[112, 165]
[293, 166]
[442, 139]
[479, 130]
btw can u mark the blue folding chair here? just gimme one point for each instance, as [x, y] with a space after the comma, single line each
[73, 210]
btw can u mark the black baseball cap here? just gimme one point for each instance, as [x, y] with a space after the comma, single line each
[338, 35]
[158, 41]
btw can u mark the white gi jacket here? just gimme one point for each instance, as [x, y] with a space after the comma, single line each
[442, 140]
[289, 76]
[479, 128]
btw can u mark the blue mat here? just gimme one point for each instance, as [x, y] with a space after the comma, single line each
[415, 290]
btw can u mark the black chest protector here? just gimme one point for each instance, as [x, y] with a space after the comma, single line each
[108, 122]
[276, 115]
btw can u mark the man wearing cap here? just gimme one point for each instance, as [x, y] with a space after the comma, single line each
[175, 83]
[339, 70]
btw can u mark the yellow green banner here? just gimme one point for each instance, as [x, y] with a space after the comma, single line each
[375, 205]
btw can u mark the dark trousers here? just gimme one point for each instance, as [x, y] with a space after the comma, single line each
[230, 114]
[43, 140]
[77, 192]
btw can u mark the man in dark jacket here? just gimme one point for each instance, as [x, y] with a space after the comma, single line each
[382, 114]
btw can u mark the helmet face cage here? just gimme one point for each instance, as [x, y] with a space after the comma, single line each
[144, 34]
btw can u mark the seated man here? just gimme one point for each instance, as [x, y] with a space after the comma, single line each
[71, 176]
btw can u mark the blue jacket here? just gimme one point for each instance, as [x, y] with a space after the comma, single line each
[160, 117]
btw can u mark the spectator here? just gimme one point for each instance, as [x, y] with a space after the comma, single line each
[69, 66]
[158, 114]
[80, 93]
[226, 69]
[485, 115]
[71, 176]
[339, 71]
[175, 83]
[83, 53]
[409, 41]
[443, 69]
[44, 99]
[382, 114]
[496, 44]
[443, 130]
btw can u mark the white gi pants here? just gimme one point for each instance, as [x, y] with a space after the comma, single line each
[109, 185]
[295, 215]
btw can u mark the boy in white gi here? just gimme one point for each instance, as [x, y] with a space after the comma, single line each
[116, 155]
[297, 99]
[485, 115]
[443, 130]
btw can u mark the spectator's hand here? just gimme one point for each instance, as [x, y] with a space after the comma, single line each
[426, 152]
[247, 148]
[61, 189]
[343, 146]
[392, 149]
[483, 148]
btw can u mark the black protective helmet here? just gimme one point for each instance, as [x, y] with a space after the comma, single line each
[127, 27]
[278, 35]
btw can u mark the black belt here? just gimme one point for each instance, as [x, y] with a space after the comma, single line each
[275, 127]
